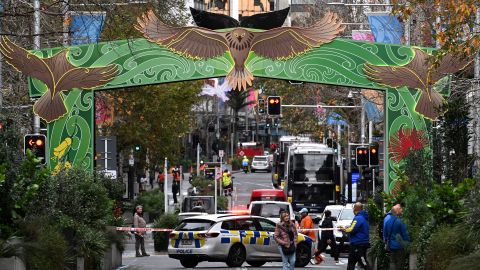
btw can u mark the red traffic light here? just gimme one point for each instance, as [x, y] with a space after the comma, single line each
[274, 105]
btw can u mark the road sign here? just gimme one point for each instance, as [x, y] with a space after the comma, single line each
[131, 162]
[220, 153]
[241, 153]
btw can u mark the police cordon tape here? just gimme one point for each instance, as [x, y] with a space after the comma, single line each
[132, 229]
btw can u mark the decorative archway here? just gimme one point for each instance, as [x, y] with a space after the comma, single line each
[140, 62]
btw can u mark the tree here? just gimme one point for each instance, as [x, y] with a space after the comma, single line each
[452, 22]
[237, 100]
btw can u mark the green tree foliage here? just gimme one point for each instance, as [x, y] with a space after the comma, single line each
[455, 138]
[155, 117]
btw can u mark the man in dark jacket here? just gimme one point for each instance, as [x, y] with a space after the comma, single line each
[358, 234]
[327, 237]
[395, 235]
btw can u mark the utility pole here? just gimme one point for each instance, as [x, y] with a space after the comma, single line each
[234, 9]
[198, 159]
[476, 98]
[36, 46]
[1, 67]
[165, 188]
[340, 159]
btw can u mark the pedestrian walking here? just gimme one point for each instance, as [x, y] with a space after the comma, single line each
[139, 222]
[286, 237]
[175, 184]
[358, 234]
[161, 179]
[327, 239]
[396, 238]
[306, 222]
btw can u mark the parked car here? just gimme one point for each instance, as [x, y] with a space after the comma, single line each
[231, 239]
[261, 163]
[270, 209]
[268, 195]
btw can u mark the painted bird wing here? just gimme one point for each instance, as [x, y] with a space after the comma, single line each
[26, 62]
[192, 42]
[287, 42]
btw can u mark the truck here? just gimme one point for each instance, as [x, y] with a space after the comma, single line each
[278, 164]
[250, 149]
[311, 176]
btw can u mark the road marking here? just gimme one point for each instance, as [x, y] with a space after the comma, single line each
[257, 184]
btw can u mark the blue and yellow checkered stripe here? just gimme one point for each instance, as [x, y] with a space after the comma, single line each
[194, 236]
[245, 237]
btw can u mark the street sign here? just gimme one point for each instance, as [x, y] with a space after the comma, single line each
[241, 153]
[220, 153]
[131, 162]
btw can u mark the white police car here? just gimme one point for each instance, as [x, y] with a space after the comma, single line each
[231, 239]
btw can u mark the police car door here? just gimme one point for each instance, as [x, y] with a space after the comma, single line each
[270, 246]
[248, 234]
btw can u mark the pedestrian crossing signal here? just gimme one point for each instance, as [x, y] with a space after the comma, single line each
[36, 143]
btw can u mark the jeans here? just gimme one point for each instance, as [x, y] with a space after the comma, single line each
[287, 260]
[397, 259]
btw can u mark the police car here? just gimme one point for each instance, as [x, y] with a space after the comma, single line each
[231, 239]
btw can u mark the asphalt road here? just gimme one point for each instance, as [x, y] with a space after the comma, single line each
[243, 185]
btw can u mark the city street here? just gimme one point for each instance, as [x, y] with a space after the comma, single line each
[243, 185]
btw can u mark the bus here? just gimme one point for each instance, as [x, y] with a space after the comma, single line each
[278, 164]
[311, 176]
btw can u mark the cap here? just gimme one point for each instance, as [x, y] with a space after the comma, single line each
[304, 210]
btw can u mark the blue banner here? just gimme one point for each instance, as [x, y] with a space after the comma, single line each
[85, 27]
[386, 28]
[372, 111]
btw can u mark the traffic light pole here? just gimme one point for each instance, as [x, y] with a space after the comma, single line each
[36, 44]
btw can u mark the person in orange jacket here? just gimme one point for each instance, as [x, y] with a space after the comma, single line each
[307, 223]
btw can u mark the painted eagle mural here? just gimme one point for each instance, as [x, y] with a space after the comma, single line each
[57, 73]
[201, 43]
[419, 74]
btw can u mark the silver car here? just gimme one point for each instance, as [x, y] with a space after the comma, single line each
[261, 163]
[231, 239]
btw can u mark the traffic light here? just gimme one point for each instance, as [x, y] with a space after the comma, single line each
[37, 145]
[274, 105]
[373, 155]
[261, 106]
[137, 148]
[362, 156]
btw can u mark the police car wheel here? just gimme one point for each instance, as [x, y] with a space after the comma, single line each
[188, 263]
[256, 263]
[236, 256]
[303, 255]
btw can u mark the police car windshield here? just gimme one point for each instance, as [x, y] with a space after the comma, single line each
[195, 225]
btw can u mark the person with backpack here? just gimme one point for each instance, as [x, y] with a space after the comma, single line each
[396, 238]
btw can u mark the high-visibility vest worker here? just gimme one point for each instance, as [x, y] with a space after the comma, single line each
[226, 179]
[245, 161]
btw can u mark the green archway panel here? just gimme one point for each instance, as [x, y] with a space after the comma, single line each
[141, 62]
